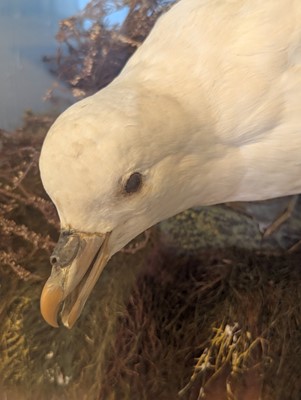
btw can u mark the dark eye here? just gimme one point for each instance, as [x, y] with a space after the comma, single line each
[133, 183]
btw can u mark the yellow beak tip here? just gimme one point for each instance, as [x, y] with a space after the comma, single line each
[51, 299]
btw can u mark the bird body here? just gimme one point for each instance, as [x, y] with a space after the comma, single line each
[206, 111]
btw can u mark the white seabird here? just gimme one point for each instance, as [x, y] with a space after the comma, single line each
[208, 110]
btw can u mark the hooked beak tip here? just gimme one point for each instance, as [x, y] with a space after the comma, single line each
[51, 299]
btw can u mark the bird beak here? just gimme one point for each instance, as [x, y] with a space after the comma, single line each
[77, 262]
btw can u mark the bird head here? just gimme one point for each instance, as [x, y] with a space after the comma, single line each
[112, 166]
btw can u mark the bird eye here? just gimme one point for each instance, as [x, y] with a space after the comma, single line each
[133, 183]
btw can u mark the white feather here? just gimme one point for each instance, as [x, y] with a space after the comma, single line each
[208, 109]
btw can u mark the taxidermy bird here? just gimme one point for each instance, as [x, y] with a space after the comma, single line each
[207, 111]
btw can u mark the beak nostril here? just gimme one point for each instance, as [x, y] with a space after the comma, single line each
[53, 260]
[65, 250]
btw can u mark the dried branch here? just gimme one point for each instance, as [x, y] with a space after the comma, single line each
[92, 50]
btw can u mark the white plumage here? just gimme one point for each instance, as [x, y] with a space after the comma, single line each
[208, 110]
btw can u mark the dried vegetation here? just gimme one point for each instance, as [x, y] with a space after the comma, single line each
[92, 50]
